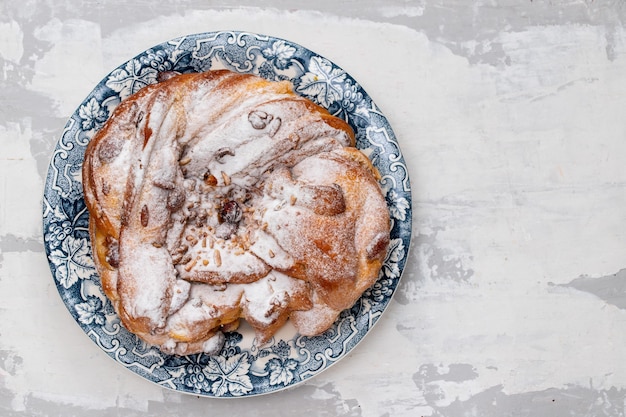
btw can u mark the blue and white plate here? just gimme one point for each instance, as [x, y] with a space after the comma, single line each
[242, 368]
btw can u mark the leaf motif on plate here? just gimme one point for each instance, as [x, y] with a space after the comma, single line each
[130, 79]
[91, 311]
[229, 375]
[398, 206]
[279, 54]
[73, 261]
[323, 82]
[92, 115]
[281, 371]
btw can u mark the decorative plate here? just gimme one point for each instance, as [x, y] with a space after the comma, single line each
[242, 368]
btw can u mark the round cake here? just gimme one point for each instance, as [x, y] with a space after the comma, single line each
[216, 197]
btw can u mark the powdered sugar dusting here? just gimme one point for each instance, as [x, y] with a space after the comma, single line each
[266, 299]
[147, 277]
[220, 215]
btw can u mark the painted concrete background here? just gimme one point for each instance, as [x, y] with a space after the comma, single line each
[511, 118]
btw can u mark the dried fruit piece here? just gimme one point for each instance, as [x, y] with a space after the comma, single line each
[145, 216]
[259, 119]
[230, 212]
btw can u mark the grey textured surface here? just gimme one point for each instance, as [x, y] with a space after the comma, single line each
[510, 116]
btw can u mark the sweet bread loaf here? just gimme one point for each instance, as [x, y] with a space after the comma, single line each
[219, 196]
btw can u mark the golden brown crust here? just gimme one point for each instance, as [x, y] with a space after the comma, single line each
[340, 251]
[218, 196]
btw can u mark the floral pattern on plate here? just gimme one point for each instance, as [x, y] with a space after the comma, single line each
[243, 368]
